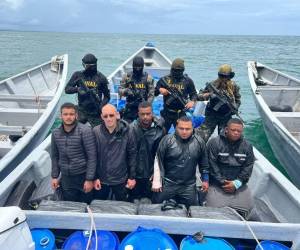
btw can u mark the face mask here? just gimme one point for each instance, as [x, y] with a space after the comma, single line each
[137, 70]
[177, 73]
[90, 68]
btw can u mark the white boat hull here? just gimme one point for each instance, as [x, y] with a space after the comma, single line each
[34, 109]
[282, 128]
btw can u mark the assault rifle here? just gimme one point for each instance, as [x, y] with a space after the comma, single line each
[136, 94]
[90, 98]
[175, 94]
[224, 99]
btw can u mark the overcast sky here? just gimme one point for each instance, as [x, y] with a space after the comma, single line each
[232, 17]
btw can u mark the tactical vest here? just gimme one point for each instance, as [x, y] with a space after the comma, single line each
[139, 88]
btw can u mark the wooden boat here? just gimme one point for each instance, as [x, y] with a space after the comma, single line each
[277, 97]
[28, 105]
[277, 201]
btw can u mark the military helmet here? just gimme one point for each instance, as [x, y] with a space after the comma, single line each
[89, 59]
[178, 63]
[225, 71]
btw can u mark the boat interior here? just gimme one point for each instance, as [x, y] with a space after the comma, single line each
[155, 64]
[23, 99]
[282, 95]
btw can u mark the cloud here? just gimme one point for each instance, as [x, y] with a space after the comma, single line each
[11, 4]
[156, 16]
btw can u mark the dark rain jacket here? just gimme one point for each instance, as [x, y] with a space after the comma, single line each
[73, 152]
[116, 154]
[96, 96]
[184, 87]
[147, 141]
[178, 158]
[230, 160]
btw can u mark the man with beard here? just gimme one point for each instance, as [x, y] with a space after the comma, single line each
[116, 150]
[178, 156]
[137, 86]
[179, 93]
[218, 112]
[92, 89]
[73, 155]
[148, 130]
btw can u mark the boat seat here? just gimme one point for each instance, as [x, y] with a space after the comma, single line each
[17, 116]
[25, 98]
[287, 114]
[14, 130]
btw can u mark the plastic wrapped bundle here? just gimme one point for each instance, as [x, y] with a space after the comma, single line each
[44, 192]
[223, 213]
[69, 206]
[113, 207]
[157, 209]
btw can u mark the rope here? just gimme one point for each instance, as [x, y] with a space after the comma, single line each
[93, 227]
[248, 226]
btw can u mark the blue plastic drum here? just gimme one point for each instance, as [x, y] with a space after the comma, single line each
[79, 240]
[188, 243]
[271, 245]
[147, 239]
[44, 239]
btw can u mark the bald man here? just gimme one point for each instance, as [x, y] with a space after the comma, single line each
[116, 149]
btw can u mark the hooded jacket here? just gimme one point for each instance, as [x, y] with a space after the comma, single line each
[178, 158]
[73, 152]
[116, 154]
[147, 141]
[230, 160]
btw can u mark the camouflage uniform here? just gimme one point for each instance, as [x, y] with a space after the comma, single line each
[137, 86]
[223, 114]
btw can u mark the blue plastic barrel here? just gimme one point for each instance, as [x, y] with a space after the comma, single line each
[271, 245]
[147, 239]
[188, 243]
[78, 240]
[44, 239]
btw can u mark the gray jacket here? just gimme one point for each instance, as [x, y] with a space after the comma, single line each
[73, 152]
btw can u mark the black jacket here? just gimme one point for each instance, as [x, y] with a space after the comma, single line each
[74, 152]
[230, 161]
[185, 88]
[116, 154]
[178, 158]
[147, 141]
[97, 85]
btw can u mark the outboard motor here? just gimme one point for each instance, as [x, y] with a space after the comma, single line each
[13, 226]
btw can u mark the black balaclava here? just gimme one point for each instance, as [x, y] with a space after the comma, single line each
[177, 69]
[138, 66]
[89, 62]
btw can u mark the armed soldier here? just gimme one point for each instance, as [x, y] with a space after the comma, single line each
[92, 89]
[137, 86]
[178, 92]
[224, 100]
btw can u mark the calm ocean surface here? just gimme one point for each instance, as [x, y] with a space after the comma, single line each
[202, 54]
